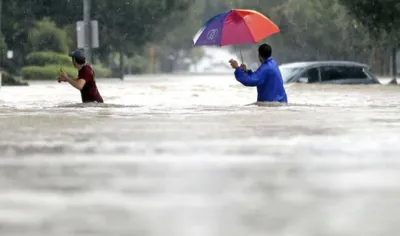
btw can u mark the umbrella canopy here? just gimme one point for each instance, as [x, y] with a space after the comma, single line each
[235, 27]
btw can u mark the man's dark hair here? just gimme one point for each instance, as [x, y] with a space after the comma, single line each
[265, 51]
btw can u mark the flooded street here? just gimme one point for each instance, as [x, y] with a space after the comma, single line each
[185, 156]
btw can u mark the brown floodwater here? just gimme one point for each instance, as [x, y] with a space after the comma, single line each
[174, 155]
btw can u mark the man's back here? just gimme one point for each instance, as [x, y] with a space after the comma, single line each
[268, 80]
[272, 89]
[89, 91]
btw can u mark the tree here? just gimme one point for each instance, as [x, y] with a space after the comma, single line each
[175, 49]
[311, 30]
[382, 19]
[379, 17]
[46, 36]
[125, 25]
[3, 50]
[318, 30]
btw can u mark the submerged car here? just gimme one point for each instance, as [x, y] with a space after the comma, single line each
[328, 72]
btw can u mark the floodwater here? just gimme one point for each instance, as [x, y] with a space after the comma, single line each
[185, 156]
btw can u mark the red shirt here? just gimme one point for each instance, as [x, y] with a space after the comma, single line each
[89, 92]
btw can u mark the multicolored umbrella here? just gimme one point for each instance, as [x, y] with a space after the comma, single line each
[235, 27]
[238, 26]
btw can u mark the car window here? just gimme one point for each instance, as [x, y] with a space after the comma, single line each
[289, 72]
[312, 75]
[329, 73]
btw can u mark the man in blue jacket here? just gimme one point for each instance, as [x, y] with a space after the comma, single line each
[267, 78]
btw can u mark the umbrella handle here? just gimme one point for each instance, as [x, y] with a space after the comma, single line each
[241, 56]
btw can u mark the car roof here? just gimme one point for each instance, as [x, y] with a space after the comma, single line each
[322, 63]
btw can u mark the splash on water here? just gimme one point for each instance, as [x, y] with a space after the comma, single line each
[215, 60]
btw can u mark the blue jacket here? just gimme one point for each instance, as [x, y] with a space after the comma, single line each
[268, 80]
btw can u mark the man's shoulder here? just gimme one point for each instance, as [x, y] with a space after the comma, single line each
[87, 69]
[272, 64]
[272, 61]
[268, 64]
[270, 68]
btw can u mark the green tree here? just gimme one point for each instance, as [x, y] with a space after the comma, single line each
[311, 30]
[3, 49]
[175, 47]
[318, 30]
[379, 17]
[382, 19]
[6, 64]
[46, 36]
[125, 25]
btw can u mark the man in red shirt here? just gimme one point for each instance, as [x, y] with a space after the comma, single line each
[85, 81]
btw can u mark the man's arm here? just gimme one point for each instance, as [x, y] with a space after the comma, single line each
[248, 78]
[76, 83]
[244, 67]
